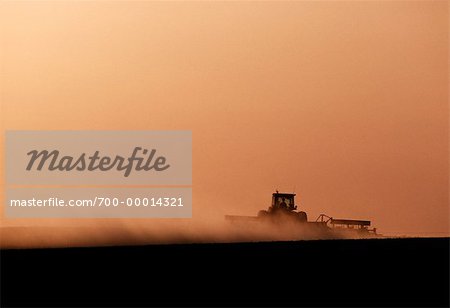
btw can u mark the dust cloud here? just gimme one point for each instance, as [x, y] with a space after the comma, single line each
[118, 232]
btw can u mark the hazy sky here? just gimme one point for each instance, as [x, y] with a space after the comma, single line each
[345, 101]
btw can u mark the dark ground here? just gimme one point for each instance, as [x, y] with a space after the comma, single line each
[386, 272]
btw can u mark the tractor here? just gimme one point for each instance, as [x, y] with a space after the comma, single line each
[283, 211]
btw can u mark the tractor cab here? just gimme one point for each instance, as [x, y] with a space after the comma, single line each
[283, 201]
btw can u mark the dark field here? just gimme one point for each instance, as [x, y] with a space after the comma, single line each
[378, 272]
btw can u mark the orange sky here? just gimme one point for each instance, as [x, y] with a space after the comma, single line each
[345, 101]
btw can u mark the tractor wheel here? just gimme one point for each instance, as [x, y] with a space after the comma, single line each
[262, 213]
[302, 216]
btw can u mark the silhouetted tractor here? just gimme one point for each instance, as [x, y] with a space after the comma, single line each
[283, 210]
[283, 207]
